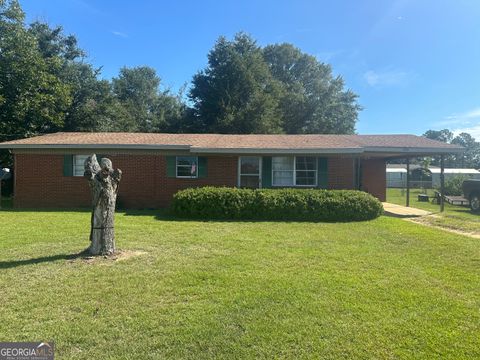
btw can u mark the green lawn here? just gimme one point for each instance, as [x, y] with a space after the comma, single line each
[455, 217]
[381, 289]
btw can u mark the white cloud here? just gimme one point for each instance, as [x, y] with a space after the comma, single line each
[468, 121]
[472, 114]
[119, 34]
[387, 78]
[467, 118]
[474, 131]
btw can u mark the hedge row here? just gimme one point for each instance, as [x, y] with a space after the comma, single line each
[276, 204]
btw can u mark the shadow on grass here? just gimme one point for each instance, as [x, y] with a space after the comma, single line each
[167, 215]
[43, 259]
[463, 210]
[20, 210]
[164, 214]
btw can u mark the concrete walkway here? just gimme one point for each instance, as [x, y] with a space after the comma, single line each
[403, 211]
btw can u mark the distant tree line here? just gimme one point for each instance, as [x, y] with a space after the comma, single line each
[48, 85]
[469, 159]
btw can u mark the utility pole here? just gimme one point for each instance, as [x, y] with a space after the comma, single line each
[442, 183]
[407, 203]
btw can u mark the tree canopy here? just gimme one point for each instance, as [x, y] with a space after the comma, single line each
[236, 93]
[152, 109]
[444, 135]
[275, 89]
[33, 99]
[48, 85]
[311, 100]
[469, 159]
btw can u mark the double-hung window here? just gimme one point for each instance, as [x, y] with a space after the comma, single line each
[187, 167]
[283, 171]
[79, 164]
[249, 167]
[305, 171]
[294, 171]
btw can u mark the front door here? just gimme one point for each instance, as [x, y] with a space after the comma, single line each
[249, 172]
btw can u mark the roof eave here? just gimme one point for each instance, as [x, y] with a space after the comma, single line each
[392, 151]
[414, 150]
[275, 151]
[95, 146]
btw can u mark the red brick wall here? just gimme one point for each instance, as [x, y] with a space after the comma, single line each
[39, 180]
[341, 173]
[145, 183]
[374, 177]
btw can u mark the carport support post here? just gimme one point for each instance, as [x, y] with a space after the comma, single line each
[442, 183]
[407, 203]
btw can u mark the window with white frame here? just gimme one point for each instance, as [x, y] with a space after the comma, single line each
[79, 164]
[305, 171]
[187, 167]
[283, 171]
[294, 171]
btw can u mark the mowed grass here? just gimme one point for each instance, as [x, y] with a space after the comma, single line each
[240, 290]
[454, 217]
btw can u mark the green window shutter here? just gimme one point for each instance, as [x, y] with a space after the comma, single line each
[68, 165]
[323, 173]
[202, 167]
[171, 166]
[266, 172]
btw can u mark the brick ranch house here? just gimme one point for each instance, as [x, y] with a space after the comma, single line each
[48, 169]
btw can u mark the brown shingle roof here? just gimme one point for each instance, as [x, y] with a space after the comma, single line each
[219, 142]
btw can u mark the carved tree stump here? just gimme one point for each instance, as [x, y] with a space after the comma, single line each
[104, 185]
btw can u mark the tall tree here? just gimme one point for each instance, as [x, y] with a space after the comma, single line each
[101, 111]
[93, 106]
[444, 135]
[313, 100]
[52, 42]
[33, 99]
[236, 92]
[471, 157]
[138, 89]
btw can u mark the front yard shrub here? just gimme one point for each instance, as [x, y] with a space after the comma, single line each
[276, 204]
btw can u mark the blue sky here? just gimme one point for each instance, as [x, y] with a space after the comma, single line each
[414, 64]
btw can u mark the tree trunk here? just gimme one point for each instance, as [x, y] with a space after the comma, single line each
[104, 183]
